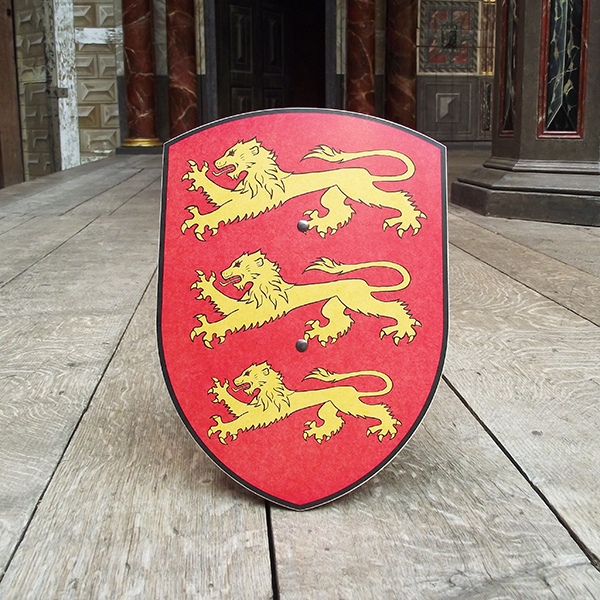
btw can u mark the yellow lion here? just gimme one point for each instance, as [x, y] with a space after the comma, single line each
[271, 297]
[274, 402]
[266, 186]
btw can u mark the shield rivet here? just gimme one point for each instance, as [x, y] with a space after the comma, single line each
[301, 345]
[302, 226]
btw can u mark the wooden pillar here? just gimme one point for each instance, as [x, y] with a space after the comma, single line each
[401, 62]
[11, 158]
[360, 72]
[181, 56]
[545, 154]
[138, 45]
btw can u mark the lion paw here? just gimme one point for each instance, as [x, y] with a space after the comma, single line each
[199, 331]
[222, 430]
[199, 222]
[324, 335]
[218, 429]
[322, 225]
[206, 331]
[399, 333]
[219, 389]
[382, 430]
[203, 283]
[404, 223]
[195, 175]
[322, 432]
[313, 430]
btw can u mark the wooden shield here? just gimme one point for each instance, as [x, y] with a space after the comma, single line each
[302, 314]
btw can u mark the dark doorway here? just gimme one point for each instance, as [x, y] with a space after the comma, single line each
[269, 54]
[307, 49]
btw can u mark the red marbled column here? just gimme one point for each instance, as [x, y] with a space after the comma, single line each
[360, 72]
[401, 62]
[181, 56]
[138, 44]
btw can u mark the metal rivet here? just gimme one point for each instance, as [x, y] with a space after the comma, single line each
[302, 226]
[301, 345]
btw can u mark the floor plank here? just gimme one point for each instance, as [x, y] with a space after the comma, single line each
[135, 508]
[530, 370]
[562, 282]
[450, 517]
[60, 199]
[573, 245]
[60, 322]
[16, 193]
[34, 239]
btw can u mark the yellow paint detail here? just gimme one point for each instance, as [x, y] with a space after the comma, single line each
[270, 297]
[272, 401]
[266, 186]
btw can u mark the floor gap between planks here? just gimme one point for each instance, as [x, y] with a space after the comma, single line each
[83, 412]
[594, 560]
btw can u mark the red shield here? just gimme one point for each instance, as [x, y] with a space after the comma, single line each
[303, 295]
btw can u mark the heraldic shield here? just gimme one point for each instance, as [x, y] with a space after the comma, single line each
[302, 316]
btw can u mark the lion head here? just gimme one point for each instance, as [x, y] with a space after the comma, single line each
[259, 164]
[269, 384]
[257, 269]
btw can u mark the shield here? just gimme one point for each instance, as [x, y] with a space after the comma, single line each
[302, 316]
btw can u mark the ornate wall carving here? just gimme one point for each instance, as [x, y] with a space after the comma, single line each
[36, 126]
[455, 68]
[98, 45]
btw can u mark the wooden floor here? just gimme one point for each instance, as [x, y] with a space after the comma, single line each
[104, 494]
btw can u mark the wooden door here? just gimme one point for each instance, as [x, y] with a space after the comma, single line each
[11, 161]
[252, 71]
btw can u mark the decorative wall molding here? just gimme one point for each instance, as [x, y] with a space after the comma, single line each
[99, 35]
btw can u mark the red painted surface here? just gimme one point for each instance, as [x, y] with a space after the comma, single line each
[276, 461]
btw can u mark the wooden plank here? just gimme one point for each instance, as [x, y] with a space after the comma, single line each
[573, 245]
[60, 199]
[28, 243]
[60, 322]
[8, 222]
[135, 508]
[530, 370]
[571, 287]
[23, 190]
[24, 245]
[450, 517]
[109, 201]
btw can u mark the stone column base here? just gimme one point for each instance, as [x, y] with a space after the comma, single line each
[572, 198]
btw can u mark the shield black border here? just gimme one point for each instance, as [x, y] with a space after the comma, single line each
[388, 459]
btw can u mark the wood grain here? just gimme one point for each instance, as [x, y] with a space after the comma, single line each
[60, 321]
[450, 517]
[16, 193]
[573, 245]
[31, 241]
[567, 285]
[72, 192]
[135, 508]
[529, 368]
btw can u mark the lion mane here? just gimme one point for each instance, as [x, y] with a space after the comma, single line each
[260, 164]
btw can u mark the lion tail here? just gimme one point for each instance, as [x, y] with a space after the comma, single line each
[329, 265]
[324, 375]
[338, 156]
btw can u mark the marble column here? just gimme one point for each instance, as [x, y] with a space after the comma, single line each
[138, 45]
[360, 71]
[545, 162]
[181, 57]
[401, 62]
